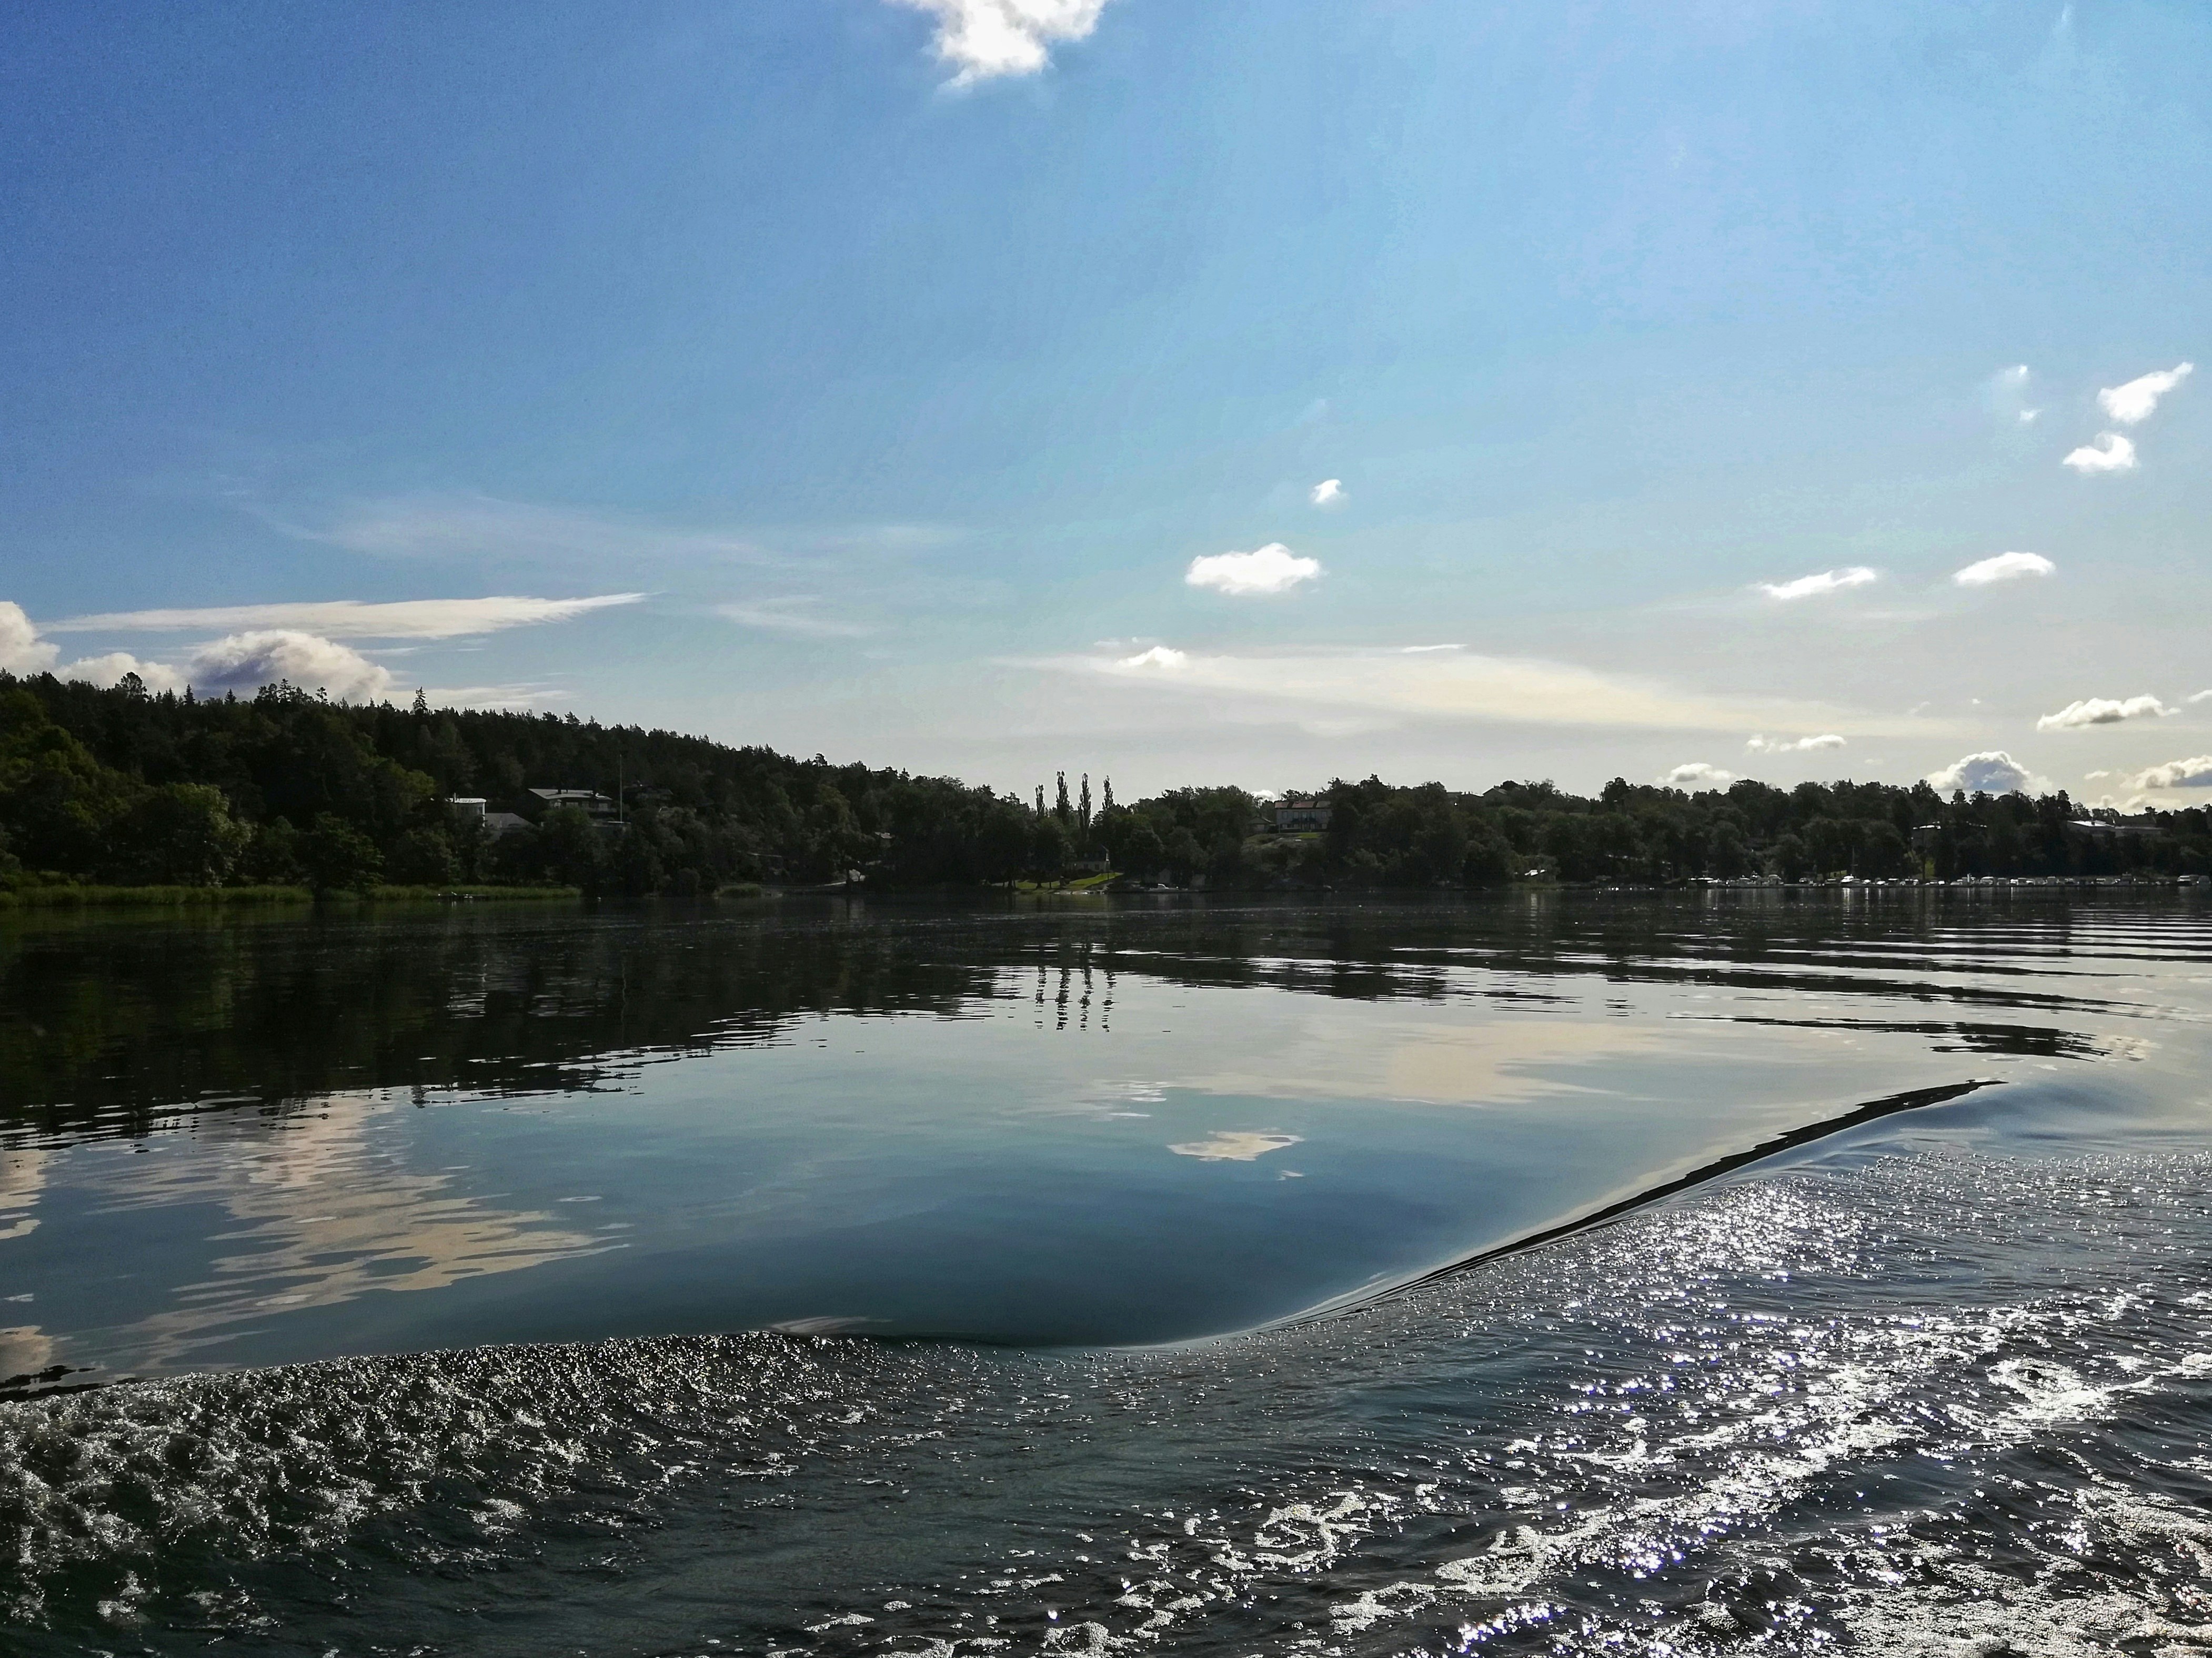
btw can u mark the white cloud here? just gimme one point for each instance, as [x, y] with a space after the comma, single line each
[110, 669]
[1991, 772]
[2200, 696]
[1696, 774]
[789, 615]
[1163, 657]
[2028, 416]
[1452, 685]
[2111, 453]
[983, 39]
[248, 661]
[1827, 581]
[2133, 404]
[2195, 773]
[1329, 492]
[2003, 566]
[2102, 711]
[21, 650]
[1274, 568]
[348, 618]
[1419, 650]
[1799, 745]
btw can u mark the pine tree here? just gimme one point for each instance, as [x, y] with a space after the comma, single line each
[422, 703]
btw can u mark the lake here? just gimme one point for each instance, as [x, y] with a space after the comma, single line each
[818, 1275]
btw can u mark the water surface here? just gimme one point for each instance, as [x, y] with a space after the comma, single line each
[1906, 1382]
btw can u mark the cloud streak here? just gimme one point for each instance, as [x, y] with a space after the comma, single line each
[1274, 568]
[474, 526]
[1799, 745]
[2102, 711]
[2135, 402]
[1826, 581]
[2004, 567]
[983, 40]
[1450, 685]
[349, 619]
[788, 616]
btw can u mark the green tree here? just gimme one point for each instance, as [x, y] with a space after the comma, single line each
[424, 858]
[178, 835]
[570, 847]
[337, 857]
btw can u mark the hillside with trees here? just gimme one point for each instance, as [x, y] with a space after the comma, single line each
[115, 785]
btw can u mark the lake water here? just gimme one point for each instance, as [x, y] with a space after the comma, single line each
[851, 1279]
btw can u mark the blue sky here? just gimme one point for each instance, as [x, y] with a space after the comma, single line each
[898, 379]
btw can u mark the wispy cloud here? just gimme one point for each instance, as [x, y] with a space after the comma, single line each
[2135, 402]
[529, 695]
[791, 616]
[1274, 568]
[1794, 745]
[2111, 453]
[1329, 492]
[2102, 711]
[2003, 566]
[1990, 772]
[2008, 392]
[349, 619]
[479, 527]
[2194, 773]
[985, 39]
[1450, 685]
[1696, 775]
[1826, 581]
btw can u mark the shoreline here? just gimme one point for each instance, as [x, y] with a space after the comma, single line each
[63, 897]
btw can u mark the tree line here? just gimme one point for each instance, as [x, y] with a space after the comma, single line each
[113, 785]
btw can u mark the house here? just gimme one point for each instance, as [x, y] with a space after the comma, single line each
[501, 824]
[591, 802]
[1301, 815]
[467, 806]
[2105, 824]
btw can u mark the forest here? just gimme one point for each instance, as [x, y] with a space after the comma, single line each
[121, 787]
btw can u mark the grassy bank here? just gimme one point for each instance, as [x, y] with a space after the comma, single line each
[378, 895]
[74, 895]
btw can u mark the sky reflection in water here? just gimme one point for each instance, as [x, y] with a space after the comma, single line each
[230, 1144]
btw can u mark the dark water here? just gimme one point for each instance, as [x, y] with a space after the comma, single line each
[1937, 1377]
